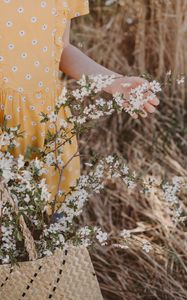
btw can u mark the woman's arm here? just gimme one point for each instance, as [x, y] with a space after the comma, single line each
[75, 63]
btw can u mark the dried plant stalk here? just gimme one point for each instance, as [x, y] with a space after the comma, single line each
[28, 238]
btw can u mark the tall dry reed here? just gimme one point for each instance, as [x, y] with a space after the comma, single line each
[132, 37]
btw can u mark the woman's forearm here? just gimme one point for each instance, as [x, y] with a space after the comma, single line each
[75, 63]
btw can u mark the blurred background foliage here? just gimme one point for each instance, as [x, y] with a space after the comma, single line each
[133, 37]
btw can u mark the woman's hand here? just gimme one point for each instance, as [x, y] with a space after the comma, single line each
[125, 84]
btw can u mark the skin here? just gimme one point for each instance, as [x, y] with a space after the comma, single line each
[75, 63]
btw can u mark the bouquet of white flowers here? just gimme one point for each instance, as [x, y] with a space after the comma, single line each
[27, 231]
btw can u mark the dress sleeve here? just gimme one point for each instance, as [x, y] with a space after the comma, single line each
[77, 8]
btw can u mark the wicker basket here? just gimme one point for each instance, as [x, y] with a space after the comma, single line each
[66, 275]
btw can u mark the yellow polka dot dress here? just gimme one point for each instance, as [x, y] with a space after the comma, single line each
[30, 49]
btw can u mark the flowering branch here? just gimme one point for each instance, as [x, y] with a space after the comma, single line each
[23, 176]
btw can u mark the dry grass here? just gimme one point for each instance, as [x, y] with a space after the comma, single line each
[155, 42]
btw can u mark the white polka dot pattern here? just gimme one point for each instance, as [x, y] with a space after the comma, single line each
[30, 49]
[31, 40]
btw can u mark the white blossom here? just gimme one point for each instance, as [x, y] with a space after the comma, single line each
[52, 117]
[147, 247]
[102, 236]
[180, 80]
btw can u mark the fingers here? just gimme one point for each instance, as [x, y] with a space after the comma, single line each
[152, 101]
[155, 101]
[134, 116]
[149, 108]
[151, 98]
[150, 105]
[143, 113]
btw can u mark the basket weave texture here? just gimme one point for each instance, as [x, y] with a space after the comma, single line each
[66, 275]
